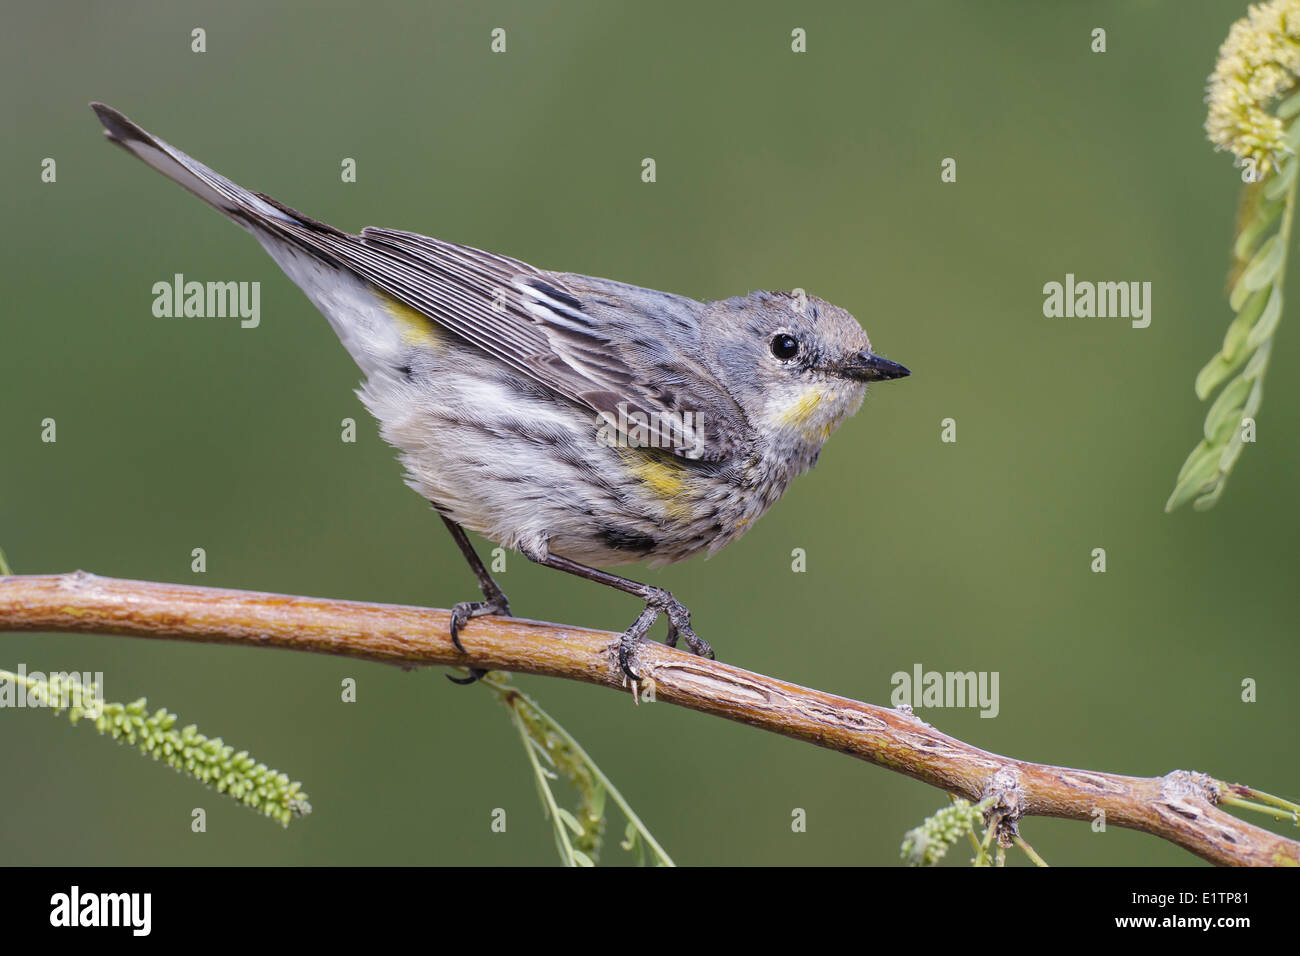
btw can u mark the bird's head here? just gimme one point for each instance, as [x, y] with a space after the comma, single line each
[797, 365]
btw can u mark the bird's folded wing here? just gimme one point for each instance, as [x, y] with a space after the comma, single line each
[536, 324]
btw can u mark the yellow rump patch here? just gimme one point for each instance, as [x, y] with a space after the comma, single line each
[414, 327]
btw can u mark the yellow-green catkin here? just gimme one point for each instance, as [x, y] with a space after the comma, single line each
[1258, 63]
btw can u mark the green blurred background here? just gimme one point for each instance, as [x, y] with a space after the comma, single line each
[775, 170]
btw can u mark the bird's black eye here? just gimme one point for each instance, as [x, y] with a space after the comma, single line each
[785, 346]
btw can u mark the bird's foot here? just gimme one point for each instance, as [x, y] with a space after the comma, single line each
[462, 614]
[679, 626]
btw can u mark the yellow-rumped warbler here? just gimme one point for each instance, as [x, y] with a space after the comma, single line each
[570, 418]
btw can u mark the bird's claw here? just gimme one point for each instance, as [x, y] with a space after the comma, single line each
[462, 614]
[475, 675]
[679, 626]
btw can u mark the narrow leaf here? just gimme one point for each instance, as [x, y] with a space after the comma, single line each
[1207, 500]
[1252, 403]
[569, 820]
[1240, 326]
[1203, 469]
[1230, 453]
[1263, 329]
[1265, 215]
[1264, 264]
[1258, 362]
[1217, 371]
[1202, 448]
[1225, 408]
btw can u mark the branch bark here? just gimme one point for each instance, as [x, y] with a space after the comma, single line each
[1178, 807]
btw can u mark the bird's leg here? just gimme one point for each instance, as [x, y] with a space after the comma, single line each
[657, 601]
[494, 599]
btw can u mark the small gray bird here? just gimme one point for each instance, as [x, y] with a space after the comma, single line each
[579, 421]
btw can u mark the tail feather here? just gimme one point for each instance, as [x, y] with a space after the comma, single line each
[306, 249]
[230, 198]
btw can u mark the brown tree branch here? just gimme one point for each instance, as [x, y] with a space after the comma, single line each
[1178, 807]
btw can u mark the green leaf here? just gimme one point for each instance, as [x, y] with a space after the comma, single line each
[1245, 320]
[1202, 447]
[1265, 214]
[1256, 396]
[1225, 409]
[1257, 299]
[569, 820]
[1264, 264]
[596, 802]
[1220, 430]
[1216, 372]
[1230, 453]
[546, 742]
[1264, 328]
[1200, 468]
[629, 838]
[1207, 500]
[1258, 362]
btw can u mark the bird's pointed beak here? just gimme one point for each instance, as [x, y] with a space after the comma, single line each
[869, 367]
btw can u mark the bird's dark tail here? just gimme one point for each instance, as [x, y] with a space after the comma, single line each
[242, 205]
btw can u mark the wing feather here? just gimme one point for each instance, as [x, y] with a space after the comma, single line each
[539, 326]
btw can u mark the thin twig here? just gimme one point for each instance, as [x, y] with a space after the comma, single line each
[1029, 851]
[1178, 807]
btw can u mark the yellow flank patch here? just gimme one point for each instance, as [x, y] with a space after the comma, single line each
[663, 477]
[414, 327]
